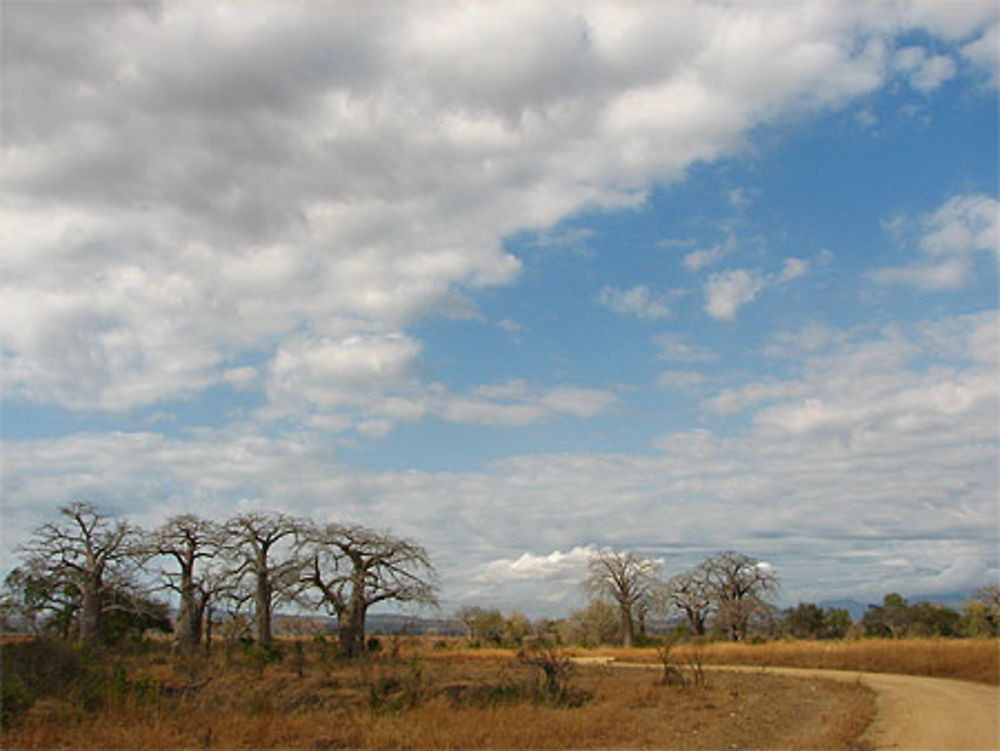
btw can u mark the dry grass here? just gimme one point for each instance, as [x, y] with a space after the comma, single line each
[968, 659]
[471, 700]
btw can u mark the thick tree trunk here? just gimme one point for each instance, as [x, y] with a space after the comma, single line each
[208, 615]
[628, 629]
[351, 626]
[187, 627]
[90, 615]
[262, 604]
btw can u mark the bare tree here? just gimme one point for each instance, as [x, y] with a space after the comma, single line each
[257, 544]
[738, 585]
[690, 593]
[353, 568]
[627, 579]
[86, 557]
[188, 540]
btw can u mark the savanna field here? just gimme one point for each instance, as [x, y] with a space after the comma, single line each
[432, 693]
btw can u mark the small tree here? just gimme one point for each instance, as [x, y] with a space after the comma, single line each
[35, 603]
[626, 579]
[890, 619]
[804, 621]
[482, 626]
[981, 612]
[598, 623]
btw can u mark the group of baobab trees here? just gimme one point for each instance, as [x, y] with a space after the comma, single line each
[78, 569]
[730, 587]
[86, 563]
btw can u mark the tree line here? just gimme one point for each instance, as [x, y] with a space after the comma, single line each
[727, 590]
[79, 572]
[725, 596]
[92, 577]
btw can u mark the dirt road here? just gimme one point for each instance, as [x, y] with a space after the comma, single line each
[916, 713]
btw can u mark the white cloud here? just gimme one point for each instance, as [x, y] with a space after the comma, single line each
[984, 53]
[681, 380]
[728, 291]
[699, 259]
[952, 236]
[926, 72]
[638, 301]
[247, 178]
[514, 403]
[529, 565]
[794, 268]
[675, 347]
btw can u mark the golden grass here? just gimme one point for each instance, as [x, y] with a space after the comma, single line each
[968, 659]
[331, 706]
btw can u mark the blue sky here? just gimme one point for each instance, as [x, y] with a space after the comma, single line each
[519, 281]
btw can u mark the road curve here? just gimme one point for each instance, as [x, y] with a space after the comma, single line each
[916, 713]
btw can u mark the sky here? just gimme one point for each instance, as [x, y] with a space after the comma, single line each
[519, 281]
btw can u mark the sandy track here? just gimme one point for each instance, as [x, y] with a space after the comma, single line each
[916, 713]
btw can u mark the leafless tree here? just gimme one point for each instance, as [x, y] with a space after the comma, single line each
[627, 579]
[352, 568]
[191, 542]
[85, 556]
[738, 585]
[690, 593]
[262, 547]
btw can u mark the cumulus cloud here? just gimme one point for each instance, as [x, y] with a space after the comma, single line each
[219, 181]
[638, 301]
[882, 436]
[984, 54]
[951, 238]
[728, 291]
[926, 72]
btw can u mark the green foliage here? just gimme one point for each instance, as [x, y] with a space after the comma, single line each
[981, 614]
[54, 669]
[128, 616]
[896, 618]
[810, 621]
[15, 700]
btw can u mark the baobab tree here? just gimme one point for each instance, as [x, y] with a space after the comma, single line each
[352, 568]
[87, 557]
[188, 539]
[690, 593]
[625, 578]
[738, 585]
[262, 547]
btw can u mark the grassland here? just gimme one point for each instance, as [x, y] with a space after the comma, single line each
[420, 693]
[966, 659]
